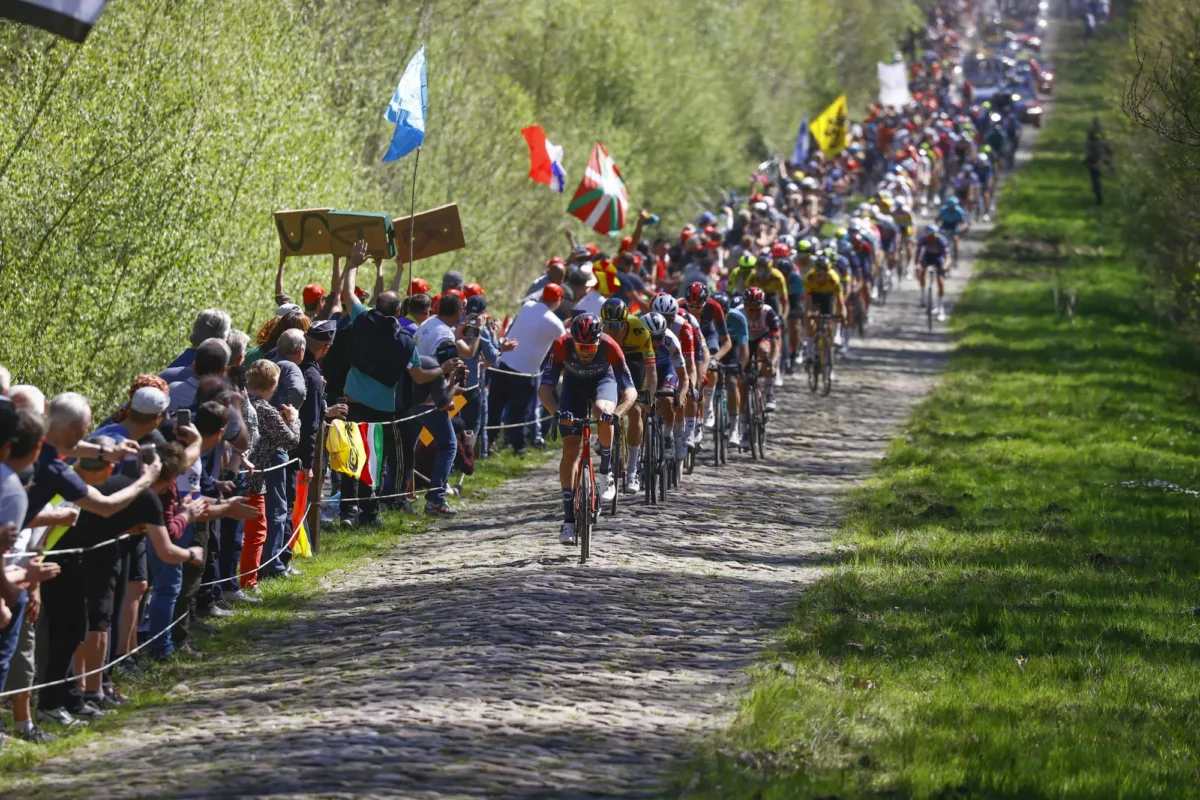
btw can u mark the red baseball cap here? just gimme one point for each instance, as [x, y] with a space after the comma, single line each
[418, 286]
[472, 289]
[626, 244]
[592, 249]
[313, 293]
[551, 292]
[556, 260]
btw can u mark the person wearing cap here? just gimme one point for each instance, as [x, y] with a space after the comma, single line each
[452, 280]
[313, 409]
[418, 286]
[491, 347]
[556, 271]
[511, 397]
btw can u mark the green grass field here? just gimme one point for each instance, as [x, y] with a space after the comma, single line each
[1013, 620]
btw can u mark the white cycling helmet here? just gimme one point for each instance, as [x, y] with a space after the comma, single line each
[666, 305]
[656, 323]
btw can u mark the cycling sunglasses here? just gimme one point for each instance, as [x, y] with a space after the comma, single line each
[614, 325]
[587, 348]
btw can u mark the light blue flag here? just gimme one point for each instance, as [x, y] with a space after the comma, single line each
[800, 151]
[407, 109]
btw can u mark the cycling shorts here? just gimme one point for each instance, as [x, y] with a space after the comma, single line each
[823, 302]
[579, 393]
[668, 381]
[637, 369]
[938, 264]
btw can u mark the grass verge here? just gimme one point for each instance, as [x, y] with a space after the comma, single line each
[341, 551]
[1014, 619]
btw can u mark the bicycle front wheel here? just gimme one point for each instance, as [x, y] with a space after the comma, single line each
[583, 514]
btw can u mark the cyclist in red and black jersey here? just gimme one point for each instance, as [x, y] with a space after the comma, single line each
[716, 335]
[594, 372]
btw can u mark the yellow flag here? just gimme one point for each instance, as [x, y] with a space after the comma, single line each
[831, 129]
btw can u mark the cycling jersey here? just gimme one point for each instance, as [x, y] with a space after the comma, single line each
[932, 249]
[668, 354]
[823, 281]
[772, 283]
[950, 217]
[637, 340]
[764, 326]
[686, 337]
[904, 219]
[795, 287]
[739, 329]
[712, 323]
[564, 357]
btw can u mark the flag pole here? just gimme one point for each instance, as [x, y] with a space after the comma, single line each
[412, 218]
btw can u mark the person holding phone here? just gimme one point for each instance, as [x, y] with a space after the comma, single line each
[434, 401]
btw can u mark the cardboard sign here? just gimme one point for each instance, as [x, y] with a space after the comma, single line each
[327, 231]
[437, 231]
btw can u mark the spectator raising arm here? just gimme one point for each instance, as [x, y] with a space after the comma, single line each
[332, 303]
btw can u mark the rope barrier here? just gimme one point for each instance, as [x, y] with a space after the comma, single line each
[112, 663]
[269, 469]
[74, 551]
[517, 374]
[545, 418]
[291, 541]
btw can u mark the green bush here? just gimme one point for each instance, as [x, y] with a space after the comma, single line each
[138, 172]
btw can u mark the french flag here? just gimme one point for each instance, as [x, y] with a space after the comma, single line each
[545, 159]
[71, 19]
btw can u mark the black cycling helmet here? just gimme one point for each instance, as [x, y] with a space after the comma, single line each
[784, 265]
[722, 300]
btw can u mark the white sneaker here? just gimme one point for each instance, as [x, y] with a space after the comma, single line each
[239, 596]
[771, 404]
[59, 716]
[710, 416]
[735, 435]
[832, 376]
[779, 379]
[633, 483]
[608, 488]
[941, 315]
[987, 217]
[874, 292]
[837, 342]
[567, 534]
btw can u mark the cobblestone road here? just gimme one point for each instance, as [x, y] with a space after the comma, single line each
[482, 660]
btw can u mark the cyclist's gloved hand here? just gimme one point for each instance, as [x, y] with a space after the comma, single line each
[611, 418]
[565, 417]
[643, 398]
[694, 394]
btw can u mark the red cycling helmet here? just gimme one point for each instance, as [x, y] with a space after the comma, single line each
[697, 294]
[472, 289]
[585, 329]
[754, 297]
[780, 250]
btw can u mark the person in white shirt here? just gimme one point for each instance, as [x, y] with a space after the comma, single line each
[511, 396]
[447, 326]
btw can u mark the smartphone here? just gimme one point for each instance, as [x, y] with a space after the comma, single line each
[461, 377]
[148, 451]
[183, 417]
[341, 401]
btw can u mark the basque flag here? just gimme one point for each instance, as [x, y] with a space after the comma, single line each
[545, 159]
[71, 19]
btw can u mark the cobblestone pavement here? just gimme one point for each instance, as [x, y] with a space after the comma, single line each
[481, 660]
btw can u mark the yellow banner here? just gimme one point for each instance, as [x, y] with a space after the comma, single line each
[832, 129]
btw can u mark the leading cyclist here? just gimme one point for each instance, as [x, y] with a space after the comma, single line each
[596, 374]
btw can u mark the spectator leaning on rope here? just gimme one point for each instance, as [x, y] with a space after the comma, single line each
[381, 356]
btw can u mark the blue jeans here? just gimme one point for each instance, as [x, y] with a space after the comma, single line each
[166, 583]
[447, 447]
[279, 529]
[11, 636]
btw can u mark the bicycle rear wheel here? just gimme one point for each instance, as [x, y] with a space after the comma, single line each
[754, 401]
[814, 367]
[617, 461]
[649, 458]
[718, 403]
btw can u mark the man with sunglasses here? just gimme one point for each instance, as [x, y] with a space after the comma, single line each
[595, 374]
[633, 336]
[716, 335]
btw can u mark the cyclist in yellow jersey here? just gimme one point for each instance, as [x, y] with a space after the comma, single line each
[634, 337]
[773, 283]
[902, 215]
[823, 296]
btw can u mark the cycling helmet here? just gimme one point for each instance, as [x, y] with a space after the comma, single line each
[821, 262]
[844, 246]
[697, 294]
[614, 310]
[930, 230]
[722, 300]
[737, 300]
[788, 239]
[804, 248]
[666, 305]
[656, 323]
[784, 265]
[986, 149]
[780, 250]
[809, 184]
[747, 260]
[585, 329]
[755, 297]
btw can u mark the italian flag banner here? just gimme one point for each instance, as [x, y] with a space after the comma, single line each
[372, 471]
